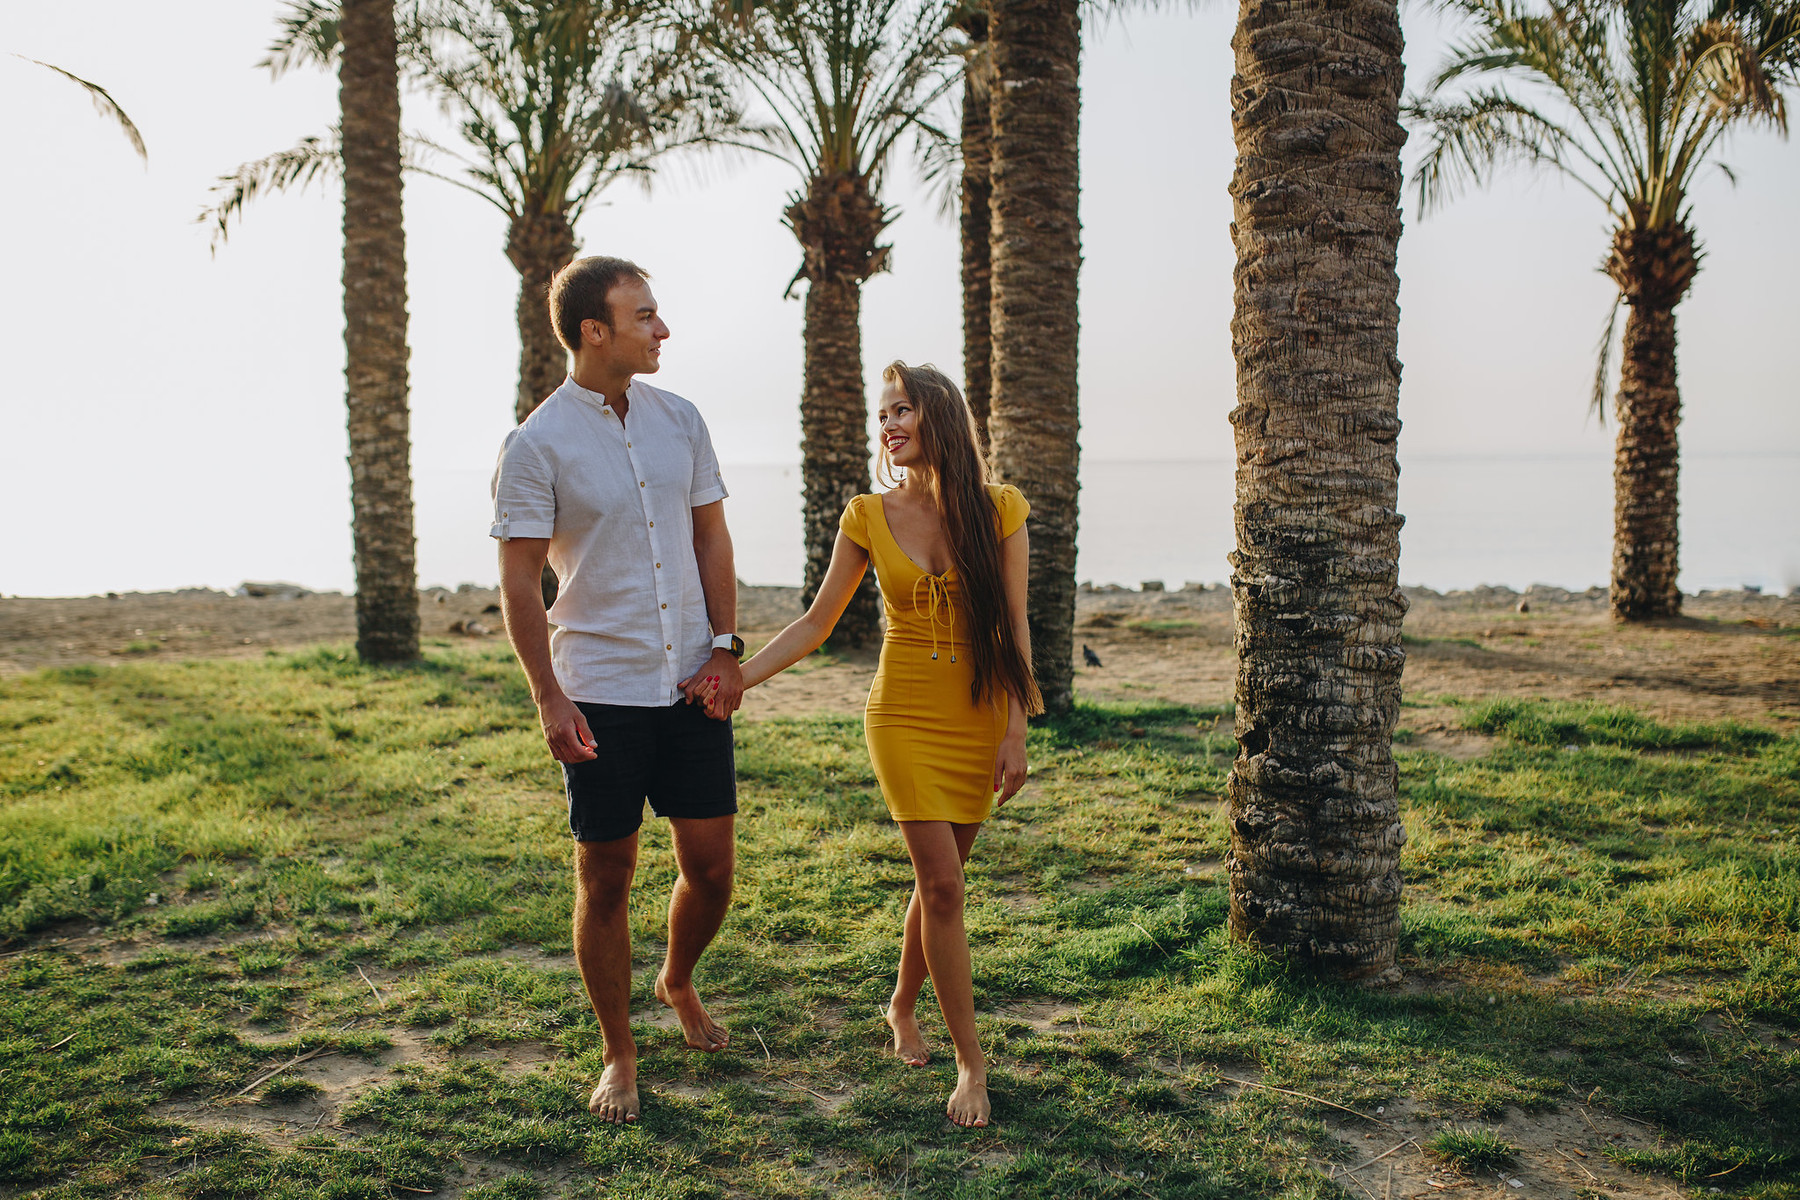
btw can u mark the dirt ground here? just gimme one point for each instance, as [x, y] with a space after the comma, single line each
[1733, 654]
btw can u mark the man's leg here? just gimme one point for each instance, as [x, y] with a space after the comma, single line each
[706, 854]
[603, 872]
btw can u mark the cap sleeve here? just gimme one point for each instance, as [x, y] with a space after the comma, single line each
[855, 522]
[1013, 506]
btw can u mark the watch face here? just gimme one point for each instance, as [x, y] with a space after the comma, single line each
[737, 646]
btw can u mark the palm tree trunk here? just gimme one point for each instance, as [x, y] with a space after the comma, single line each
[387, 597]
[538, 245]
[1034, 419]
[838, 223]
[1653, 269]
[834, 443]
[1315, 829]
[977, 261]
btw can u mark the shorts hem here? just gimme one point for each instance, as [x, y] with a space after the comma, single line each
[705, 813]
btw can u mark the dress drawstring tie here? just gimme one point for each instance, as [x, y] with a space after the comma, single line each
[937, 600]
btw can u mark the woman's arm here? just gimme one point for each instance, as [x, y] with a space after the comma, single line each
[848, 562]
[1010, 768]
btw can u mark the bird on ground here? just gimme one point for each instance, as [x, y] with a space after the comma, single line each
[1089, 657]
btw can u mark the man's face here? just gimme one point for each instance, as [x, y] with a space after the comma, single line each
[634, 343]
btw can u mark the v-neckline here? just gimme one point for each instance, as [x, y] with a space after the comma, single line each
[881, 504]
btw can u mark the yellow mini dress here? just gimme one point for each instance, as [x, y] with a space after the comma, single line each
[933, 748]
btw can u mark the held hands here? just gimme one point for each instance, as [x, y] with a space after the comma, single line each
[1010, 770]
[719, 685]
[566, 731]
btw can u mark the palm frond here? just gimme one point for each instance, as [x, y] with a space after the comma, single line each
[104, 104]
[297, 167]
[1474, 137]
[309, 37]
[1639, 92]
[1603, 359]
[553, 99]
[842, 80]
[939, 159]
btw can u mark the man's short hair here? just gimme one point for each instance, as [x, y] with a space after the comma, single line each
[578, 293]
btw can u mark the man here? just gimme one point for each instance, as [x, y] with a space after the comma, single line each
[614, 483]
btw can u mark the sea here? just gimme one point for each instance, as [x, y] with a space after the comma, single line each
[1471, 520]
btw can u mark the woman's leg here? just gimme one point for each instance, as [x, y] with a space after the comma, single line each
[938, 850]
[909, 1042]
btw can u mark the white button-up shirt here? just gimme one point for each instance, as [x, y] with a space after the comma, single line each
[616, 498]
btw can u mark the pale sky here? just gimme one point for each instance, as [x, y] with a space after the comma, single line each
[171, 418]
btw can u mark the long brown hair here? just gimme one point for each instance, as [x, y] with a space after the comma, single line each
[956, 477]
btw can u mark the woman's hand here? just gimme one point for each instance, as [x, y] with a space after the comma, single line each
[1009, 767]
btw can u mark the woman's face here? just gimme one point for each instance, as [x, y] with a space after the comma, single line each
[899, 421]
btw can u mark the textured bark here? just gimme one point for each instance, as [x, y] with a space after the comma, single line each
[977, 259]
[538, 246]
[1654, 269]
[1034, 421]
[1315, 829]
[838, 223]
[387, 597]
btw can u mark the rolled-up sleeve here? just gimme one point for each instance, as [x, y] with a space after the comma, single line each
[524, 491]
[708, 485]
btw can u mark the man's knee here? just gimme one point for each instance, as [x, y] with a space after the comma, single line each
[710, 875]
[603, 872]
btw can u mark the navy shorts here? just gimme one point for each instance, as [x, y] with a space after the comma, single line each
[678, 758]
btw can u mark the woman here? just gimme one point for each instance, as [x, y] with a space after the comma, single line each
[946, 713]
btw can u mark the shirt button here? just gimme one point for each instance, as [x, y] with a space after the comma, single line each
[640, 483]
[659, 566]
[665, 606]
[653, 524]
[668, 647]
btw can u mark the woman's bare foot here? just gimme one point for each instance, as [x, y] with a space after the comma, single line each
[697, 1027]
[968, 1105]
[909, 1043]
[616, 1097]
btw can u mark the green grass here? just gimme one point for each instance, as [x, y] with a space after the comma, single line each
[373, 864]
[1471, 1149]
[1561, 724]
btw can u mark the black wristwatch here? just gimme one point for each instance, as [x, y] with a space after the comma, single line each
[731, 642]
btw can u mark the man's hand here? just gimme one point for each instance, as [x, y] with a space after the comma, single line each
[1010, 770]
[566, 731]
[719, 685]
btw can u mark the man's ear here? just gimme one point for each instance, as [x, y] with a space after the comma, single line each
[593, 332]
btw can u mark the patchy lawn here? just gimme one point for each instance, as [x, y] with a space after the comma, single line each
[290, 927]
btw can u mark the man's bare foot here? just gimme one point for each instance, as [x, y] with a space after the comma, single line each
[909, 1043]
[968, 1105]
[616, 1097]
[699, 1029]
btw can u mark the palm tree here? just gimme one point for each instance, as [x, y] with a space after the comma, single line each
[1629, 98]
[104, 104]
[554, 99]
[1033, 422]
[844, 80]
[975, 151]
[1313, 794]
[387, 598]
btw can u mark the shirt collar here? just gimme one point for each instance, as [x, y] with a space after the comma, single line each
[595, 398]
